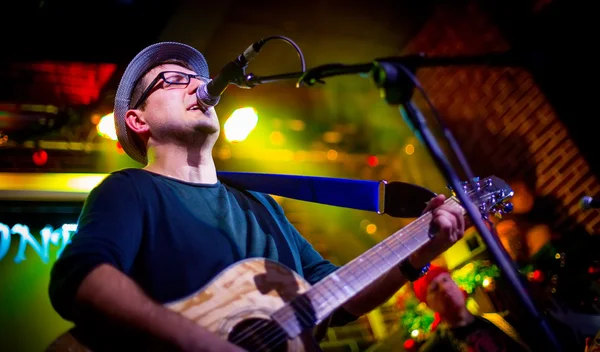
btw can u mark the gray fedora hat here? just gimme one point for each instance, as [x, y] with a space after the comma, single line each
[144, 61]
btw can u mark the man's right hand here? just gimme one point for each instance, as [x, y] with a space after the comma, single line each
[106, 294]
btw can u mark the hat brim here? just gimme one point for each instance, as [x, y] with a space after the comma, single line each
[145, 60]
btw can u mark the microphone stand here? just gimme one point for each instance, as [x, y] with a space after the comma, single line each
[392, 76]
[251, 81]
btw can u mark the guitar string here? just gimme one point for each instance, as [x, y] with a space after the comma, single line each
[281, 336]
[417, 225]
[286, 316]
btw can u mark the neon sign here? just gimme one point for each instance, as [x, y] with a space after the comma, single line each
[59, 237]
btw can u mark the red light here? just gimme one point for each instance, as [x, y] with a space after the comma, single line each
[409, 344]
[437, 319]
[537, 276]
[373, 161]
[40, 157]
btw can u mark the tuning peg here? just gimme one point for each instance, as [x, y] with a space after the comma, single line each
[498, 212]
[507, 207]
[467, 185]
[452, 190]
[476, 184]
[501, 209]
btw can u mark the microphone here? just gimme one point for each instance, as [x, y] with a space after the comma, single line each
[588, 202]
[210, 93]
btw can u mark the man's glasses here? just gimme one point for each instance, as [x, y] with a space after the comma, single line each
[170, 77]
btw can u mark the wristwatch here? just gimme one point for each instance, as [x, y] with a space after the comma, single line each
[410, 272]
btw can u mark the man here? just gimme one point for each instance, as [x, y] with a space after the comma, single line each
[151, 236]
[459, 330]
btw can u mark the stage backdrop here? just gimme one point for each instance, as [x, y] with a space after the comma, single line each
[32, 234]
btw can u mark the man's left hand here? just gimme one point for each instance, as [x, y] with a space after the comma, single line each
[449, 222]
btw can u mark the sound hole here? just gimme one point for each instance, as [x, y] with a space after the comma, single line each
[259, 335]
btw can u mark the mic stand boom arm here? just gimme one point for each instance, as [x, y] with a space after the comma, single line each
[309, 77]
[315, 75]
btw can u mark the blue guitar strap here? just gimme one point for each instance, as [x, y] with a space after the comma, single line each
[396, 199]
[347, 193]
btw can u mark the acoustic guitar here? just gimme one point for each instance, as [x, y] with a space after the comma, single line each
[261, 305]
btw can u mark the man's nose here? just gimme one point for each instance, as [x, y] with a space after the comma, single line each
[442, 289]
[194, 84]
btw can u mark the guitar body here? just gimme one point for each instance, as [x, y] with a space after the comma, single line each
[231, 306]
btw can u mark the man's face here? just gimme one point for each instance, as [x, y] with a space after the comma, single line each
[444, 296]
[172, 111]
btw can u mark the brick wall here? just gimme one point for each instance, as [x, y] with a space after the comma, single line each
[502, 120]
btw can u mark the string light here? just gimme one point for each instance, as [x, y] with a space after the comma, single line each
[40, 157]
[373, 161]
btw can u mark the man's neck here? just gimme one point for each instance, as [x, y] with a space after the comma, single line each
[461, 318]
[183, 164]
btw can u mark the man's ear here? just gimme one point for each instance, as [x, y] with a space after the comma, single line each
[135, 121]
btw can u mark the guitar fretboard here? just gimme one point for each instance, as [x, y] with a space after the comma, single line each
[338, 287]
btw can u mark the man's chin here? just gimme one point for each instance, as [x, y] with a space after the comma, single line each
[454, 307]
[208, 128]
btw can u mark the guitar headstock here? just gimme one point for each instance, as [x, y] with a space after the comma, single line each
[489, 194]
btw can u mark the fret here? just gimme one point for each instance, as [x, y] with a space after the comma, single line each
[332, 287]
[375, 267]
[383, 256]
[393, 251]
[344, 285]
[321, 302]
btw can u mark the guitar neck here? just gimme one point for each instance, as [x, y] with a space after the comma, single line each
[343, 284]
[312, 307]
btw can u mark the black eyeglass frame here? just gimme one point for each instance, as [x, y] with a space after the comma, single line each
[162, 76]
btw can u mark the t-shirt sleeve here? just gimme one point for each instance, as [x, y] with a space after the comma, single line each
[109, 231]
[314, 266]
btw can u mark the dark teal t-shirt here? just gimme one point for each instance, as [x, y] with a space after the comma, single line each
[172, 237]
